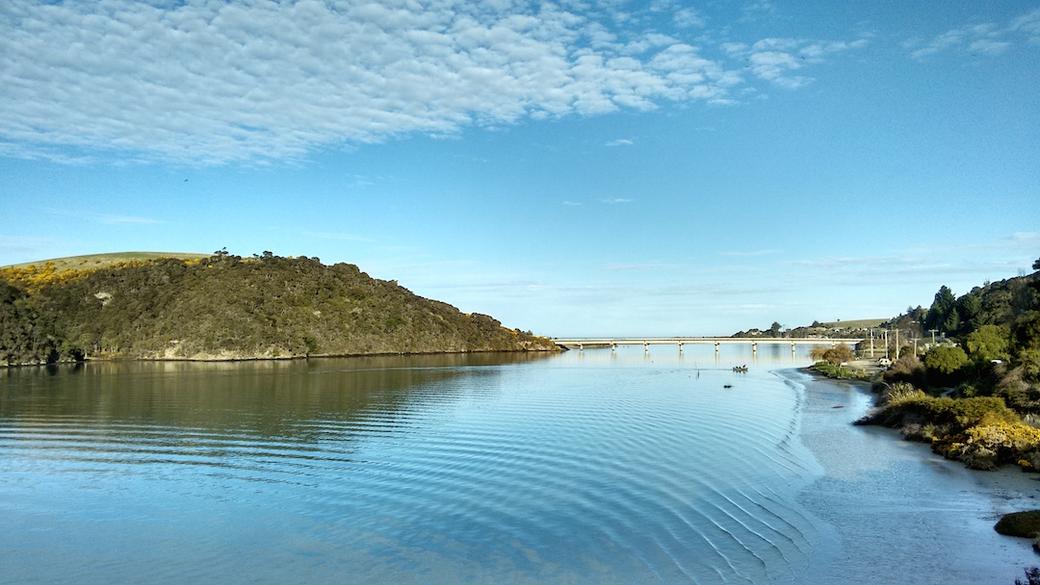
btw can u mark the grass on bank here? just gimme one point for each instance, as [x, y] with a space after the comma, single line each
[856, 323]
[104, 260]
[839, 372]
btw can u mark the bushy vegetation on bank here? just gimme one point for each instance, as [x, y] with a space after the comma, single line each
[975, 398]
[229, 307]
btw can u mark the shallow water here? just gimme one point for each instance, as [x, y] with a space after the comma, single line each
[591, 467]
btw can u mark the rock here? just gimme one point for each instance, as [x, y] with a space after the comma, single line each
[1022, 524]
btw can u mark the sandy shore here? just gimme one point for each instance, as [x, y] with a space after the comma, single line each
[891, 511]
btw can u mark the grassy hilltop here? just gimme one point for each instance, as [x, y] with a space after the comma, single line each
[191, 306]
[95, 261]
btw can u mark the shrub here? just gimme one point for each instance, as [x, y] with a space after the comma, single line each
[990, 342]
[908, 368]
[1019, 394]
[1029, 361]
[841, 373]
[958, 414]
[991, 444]
[838, 354]
[945, 359]
[816, 353]
[900, 391]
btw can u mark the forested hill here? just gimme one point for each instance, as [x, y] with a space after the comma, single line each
[229, 307]
[999, 303]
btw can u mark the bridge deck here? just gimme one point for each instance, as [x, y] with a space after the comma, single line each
[612, 341]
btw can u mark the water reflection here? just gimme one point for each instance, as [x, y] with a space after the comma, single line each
[268, 398]
[585, 467]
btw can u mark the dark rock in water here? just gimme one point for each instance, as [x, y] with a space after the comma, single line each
[727, 385]
[838, 406]
[1023, 524]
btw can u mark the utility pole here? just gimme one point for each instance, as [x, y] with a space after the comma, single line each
[915, 347]
[933, 331]
[885, 331]
[871, 342]
[897, 344]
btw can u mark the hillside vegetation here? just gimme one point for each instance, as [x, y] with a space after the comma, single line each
[228, 307]
[976, 396]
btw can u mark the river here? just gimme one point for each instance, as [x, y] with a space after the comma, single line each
[583, 467]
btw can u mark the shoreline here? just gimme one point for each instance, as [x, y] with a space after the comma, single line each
[556, 349]
[892, 507]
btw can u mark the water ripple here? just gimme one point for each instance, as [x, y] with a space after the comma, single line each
[517, 473]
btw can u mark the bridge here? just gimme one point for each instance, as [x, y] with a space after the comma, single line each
[581, 343]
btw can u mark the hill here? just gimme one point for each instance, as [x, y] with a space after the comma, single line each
[855, 323]
[818, 330]
[997, 303]
[229, 307]
[94, 261]
[32, 275]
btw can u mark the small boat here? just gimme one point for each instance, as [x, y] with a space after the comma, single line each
[727, 385]
[740, 369]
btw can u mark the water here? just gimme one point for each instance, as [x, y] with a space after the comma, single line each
[592, 467]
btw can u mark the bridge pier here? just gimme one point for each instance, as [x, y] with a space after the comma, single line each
[646, 346]
[680, 347]
[581, 347]
[613, 347]
[754, 348]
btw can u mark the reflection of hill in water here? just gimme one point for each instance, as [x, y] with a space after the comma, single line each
[270, 398]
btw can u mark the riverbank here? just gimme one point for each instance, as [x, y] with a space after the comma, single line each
[231, 359]
[892, 511]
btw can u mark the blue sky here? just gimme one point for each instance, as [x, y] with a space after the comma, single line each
[576, 169]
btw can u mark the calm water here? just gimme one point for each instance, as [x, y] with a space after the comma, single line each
[578, 468]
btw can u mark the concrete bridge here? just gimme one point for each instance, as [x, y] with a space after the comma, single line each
[581, 343]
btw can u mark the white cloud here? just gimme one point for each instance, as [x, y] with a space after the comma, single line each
[780, 60]
[619, 142]
[758, 9]
[569, 203]
[988, 39]
[688, 18]
[211, 82]
[201, 82]
[616, 200]
[1025, 236]
[682, 16]
[1028, 24]
[988, 46]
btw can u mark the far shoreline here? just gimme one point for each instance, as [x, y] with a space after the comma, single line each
[557, 349]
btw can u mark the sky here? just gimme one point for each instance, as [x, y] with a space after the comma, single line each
[577, 168]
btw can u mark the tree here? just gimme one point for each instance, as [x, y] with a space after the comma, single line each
[838, 354]
[969, 306]
[990, 342]
[945, 359]
[943, 304]
[1026, 331]
[952, 322]
[774, 329]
